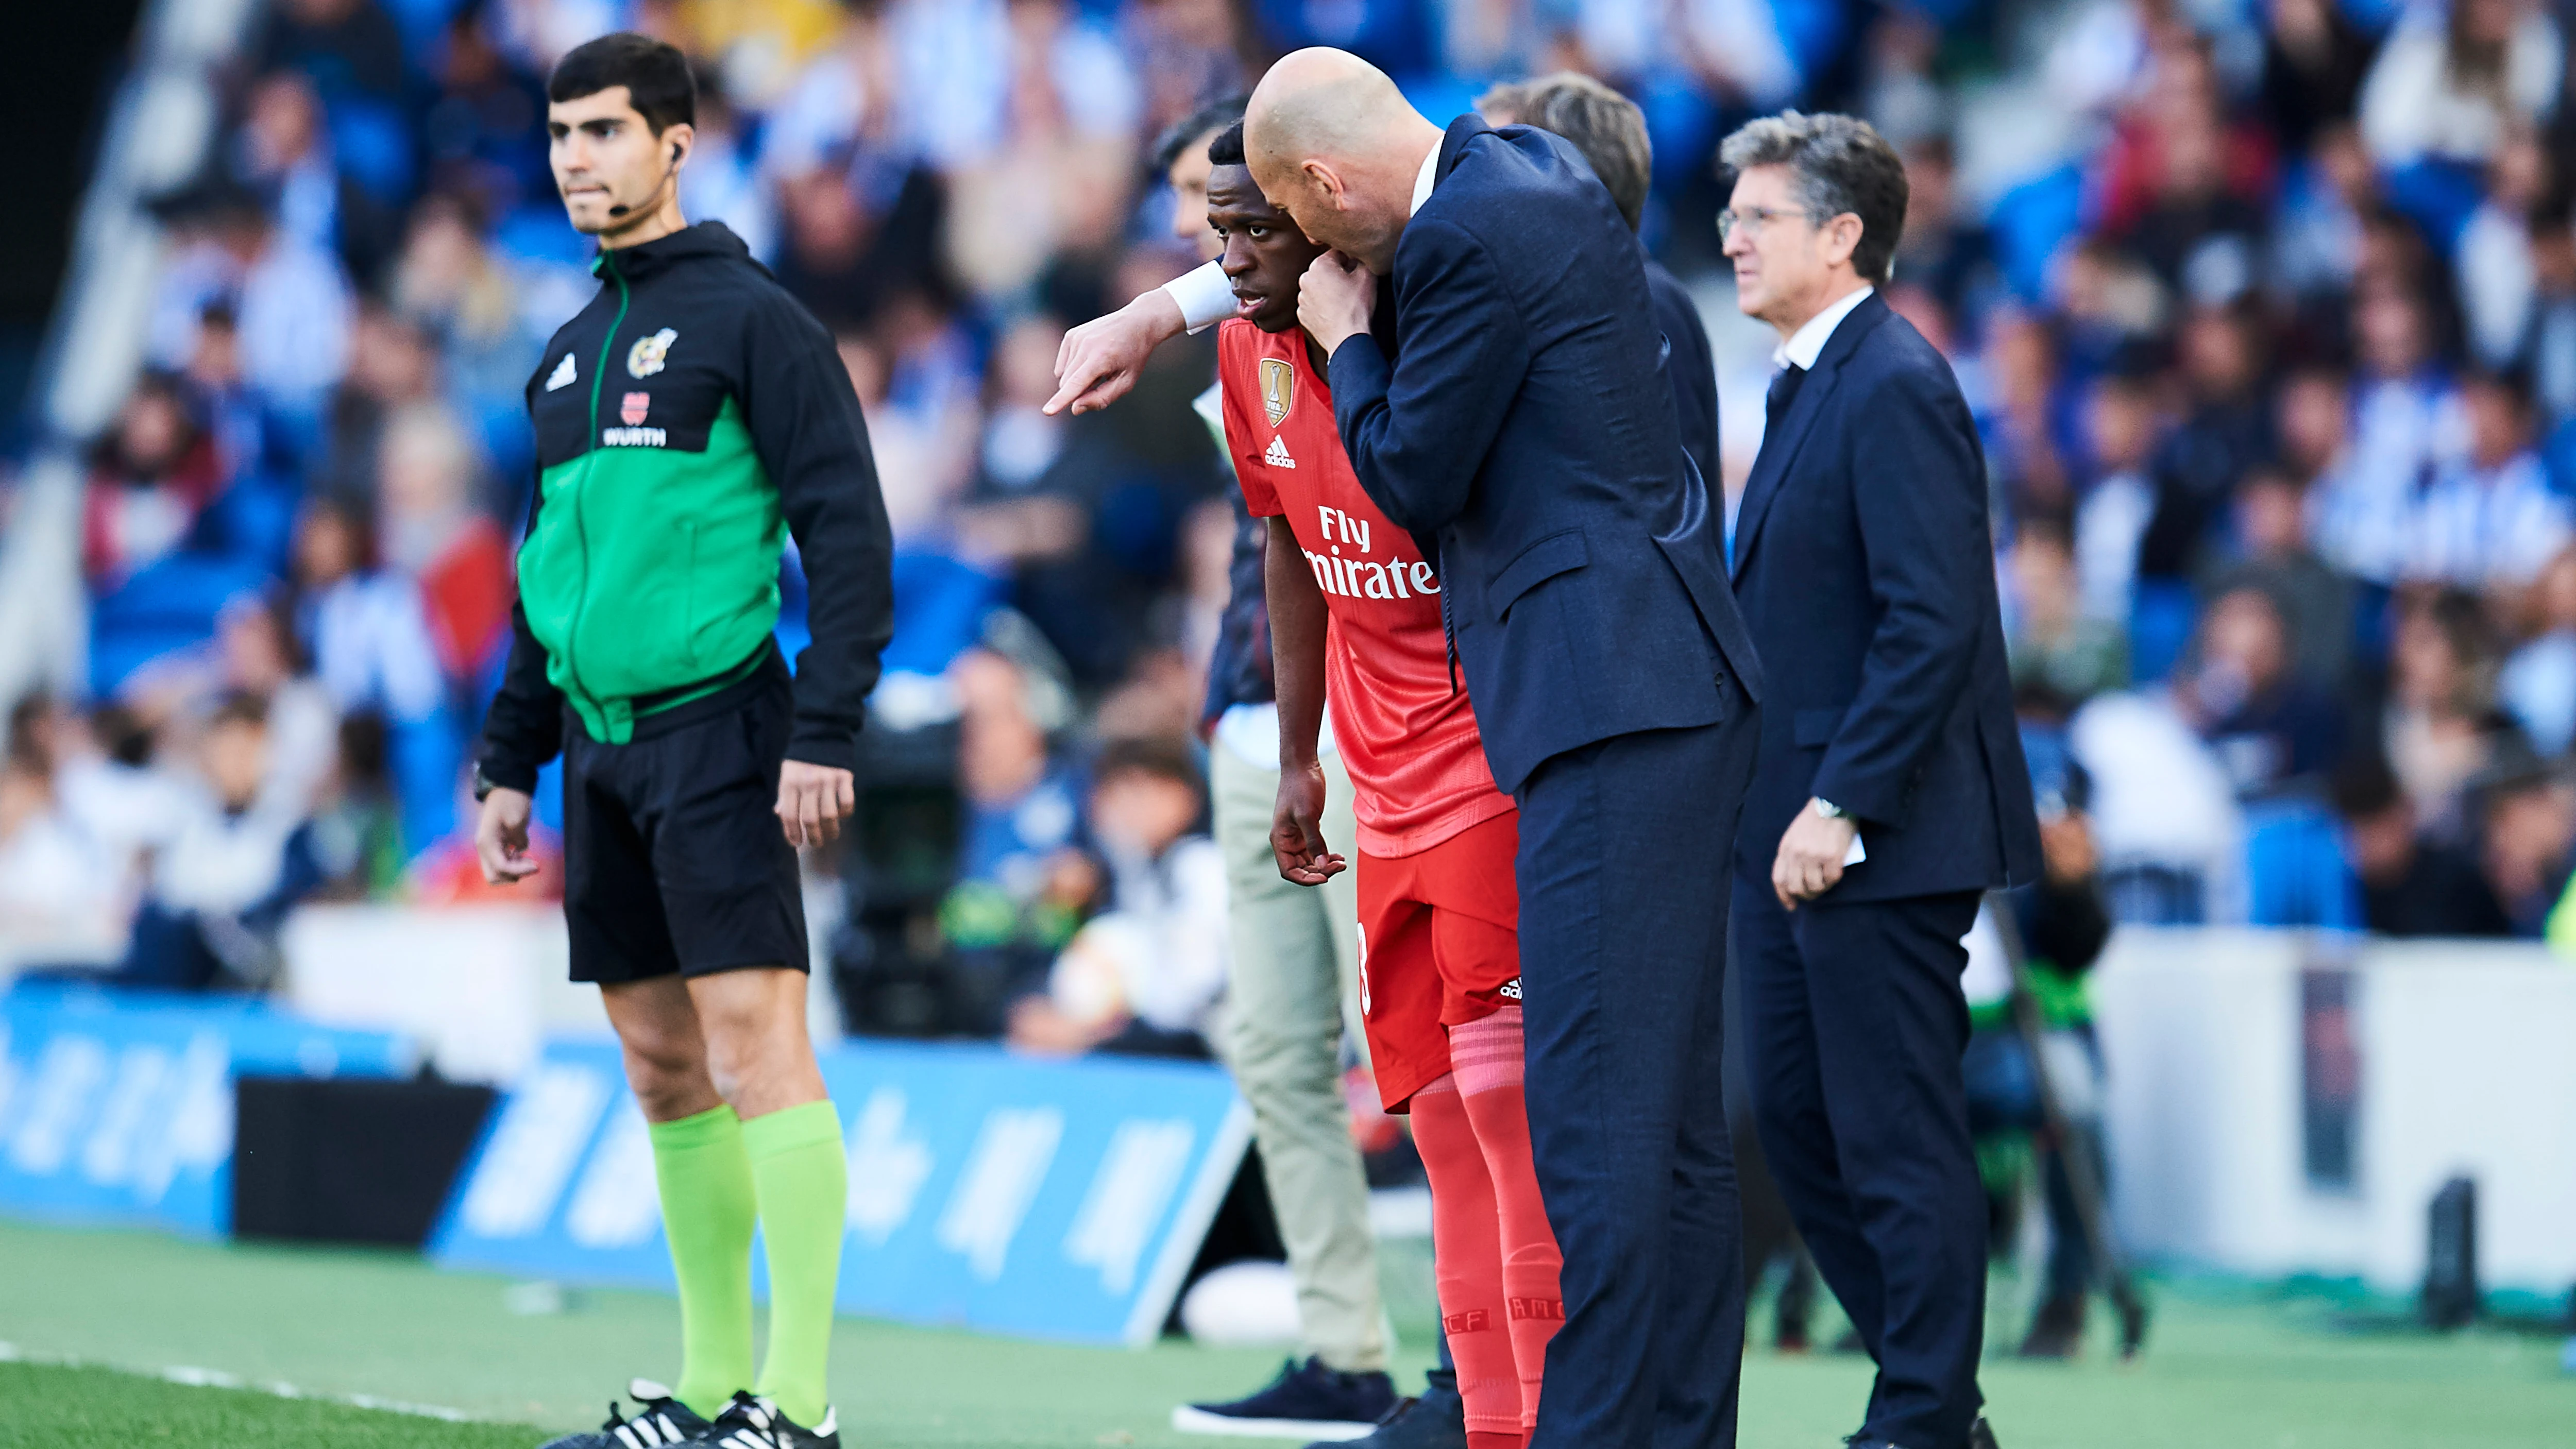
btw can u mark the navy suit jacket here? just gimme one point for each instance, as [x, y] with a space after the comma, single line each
[1866, 570]
[1526, 425]
[1690, 365]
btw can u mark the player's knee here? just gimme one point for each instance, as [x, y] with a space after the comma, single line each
[751, 1055]
[667, 1070]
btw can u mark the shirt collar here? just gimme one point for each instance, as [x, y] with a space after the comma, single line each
[1422, 179]
[1808, 343]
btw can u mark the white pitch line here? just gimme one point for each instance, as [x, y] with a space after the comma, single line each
[206, 1378]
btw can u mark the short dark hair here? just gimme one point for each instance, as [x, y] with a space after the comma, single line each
[1226, 147]
[239, 707]
[2364, 787]
[1604, 125]
[1154, 756]
[1842, 165]
[1177, 137]
[2514, 384]
[655, 74]
[2046, 526]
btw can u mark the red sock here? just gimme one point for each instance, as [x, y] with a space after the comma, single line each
[1467, 1261]
[1487, 1056]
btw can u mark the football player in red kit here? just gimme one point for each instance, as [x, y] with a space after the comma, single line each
[1355, 614]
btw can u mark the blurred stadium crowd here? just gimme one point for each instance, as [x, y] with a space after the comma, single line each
[2267, 307]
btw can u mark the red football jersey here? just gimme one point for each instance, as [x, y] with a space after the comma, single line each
[1418, 771]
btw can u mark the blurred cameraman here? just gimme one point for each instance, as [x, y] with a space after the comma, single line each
[2063, 923]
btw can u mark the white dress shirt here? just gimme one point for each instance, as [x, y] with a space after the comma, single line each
[1808, 343]
[1423, 179]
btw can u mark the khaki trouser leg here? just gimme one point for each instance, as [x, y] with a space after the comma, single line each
[1295, 983]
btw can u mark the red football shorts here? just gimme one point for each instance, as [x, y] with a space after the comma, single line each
[1439, 946]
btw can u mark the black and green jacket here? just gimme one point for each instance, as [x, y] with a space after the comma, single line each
[687, 420]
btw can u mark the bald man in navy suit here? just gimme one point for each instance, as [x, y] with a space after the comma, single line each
[1523, 423]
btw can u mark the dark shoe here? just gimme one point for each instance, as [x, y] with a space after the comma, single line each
[1437, 1420]
[1306, 1401]
[2056, 1330]
[1980, 1436]
[749, 1423]
[664, 1420]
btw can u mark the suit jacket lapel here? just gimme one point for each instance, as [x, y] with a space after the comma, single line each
[1780, 446]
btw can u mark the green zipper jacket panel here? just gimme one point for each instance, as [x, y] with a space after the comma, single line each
[688, 420]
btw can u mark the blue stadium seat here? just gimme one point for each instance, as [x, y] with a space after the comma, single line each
[252, 522]
[939, 609]
[2438, 196]
[2558, 458]
[167, 606]
[2295, 871]
[2162, 614]
[2030, 222]
[373, 142]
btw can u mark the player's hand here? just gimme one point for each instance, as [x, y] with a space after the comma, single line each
[812, 799]
[501, 837]
[1335, 299]
[1810, 861]
[1297, 830]
[1098, 361]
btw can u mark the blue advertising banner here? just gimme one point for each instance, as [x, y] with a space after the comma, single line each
[117, 1107]
[1052, 1199]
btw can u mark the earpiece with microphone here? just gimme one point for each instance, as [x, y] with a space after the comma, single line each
[622, 208]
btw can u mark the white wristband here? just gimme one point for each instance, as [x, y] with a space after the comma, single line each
[1204, 296]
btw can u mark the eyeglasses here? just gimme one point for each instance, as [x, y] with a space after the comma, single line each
[1752, 220]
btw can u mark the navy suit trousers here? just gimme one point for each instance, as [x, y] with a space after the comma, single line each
[1623, 872]
[1853, 1027]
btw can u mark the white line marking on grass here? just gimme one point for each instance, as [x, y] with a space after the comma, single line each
[206, 1378]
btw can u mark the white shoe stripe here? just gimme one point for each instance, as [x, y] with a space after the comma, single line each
[1190, 1419]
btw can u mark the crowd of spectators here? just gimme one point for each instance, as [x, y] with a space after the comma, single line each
[2283, 441]
[2274, 360]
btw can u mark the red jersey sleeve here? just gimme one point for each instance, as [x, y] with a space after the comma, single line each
[1240, 393]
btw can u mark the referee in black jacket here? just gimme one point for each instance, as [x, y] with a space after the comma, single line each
[687, 420]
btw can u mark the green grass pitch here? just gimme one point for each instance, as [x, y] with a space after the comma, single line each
[2228, 1368]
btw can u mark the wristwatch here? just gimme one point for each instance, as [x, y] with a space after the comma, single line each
[1825, 808]
[483, 784]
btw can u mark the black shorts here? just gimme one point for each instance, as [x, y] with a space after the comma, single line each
[673, 855]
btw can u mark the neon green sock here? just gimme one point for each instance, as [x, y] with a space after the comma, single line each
[803, 1179]
[707, 1216]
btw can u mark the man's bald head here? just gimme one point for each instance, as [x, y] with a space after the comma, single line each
[1333, 143]
[1321, 102]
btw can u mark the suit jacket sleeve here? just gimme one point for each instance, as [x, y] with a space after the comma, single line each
[1418, 429]
[1918, 490]
[805, 424]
